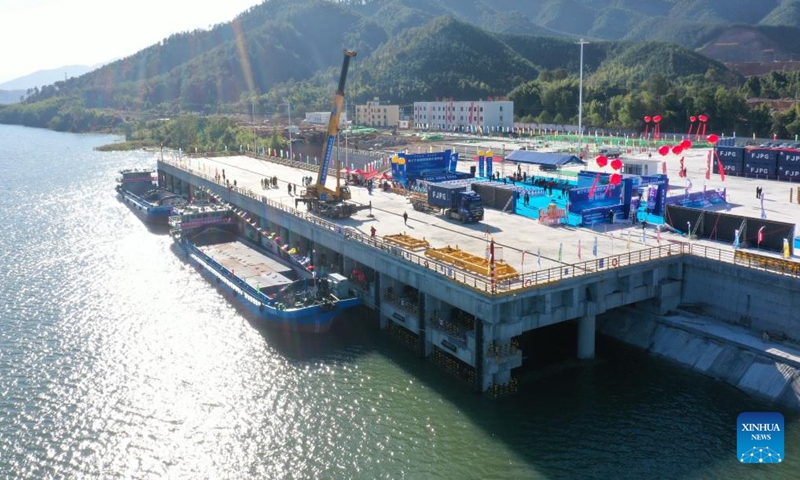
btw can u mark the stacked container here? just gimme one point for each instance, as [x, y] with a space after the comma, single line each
[761, 162]
[789, 165]
[732, 159]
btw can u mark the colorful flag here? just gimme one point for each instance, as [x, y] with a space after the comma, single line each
[760, 235]
[594, 247]
[786, 251]
[736, 239]
[720, 167]
[594, 185]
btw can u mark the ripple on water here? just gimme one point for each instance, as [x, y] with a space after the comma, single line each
[118, 360]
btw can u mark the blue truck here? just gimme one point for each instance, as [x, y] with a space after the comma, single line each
[454, 200]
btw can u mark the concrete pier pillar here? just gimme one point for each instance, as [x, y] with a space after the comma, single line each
[480, 347]
[423, 335]
[376, 292]
[586, 332]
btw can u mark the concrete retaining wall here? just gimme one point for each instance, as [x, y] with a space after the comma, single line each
[743, 296]
[754, 372]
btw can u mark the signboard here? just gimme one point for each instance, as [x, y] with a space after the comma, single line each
[421, 162]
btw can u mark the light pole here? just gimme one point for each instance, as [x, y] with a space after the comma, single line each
[289, 106]
[255, 138]
[581, 42]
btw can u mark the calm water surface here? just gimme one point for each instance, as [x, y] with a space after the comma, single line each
[117, 360]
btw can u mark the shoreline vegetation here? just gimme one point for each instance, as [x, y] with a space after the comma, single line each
[125, 146]
[192, 133]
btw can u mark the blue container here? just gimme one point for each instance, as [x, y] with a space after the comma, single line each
[788, 158]
[761, 156]
[732, 159]
[789, 172]
[760, 169]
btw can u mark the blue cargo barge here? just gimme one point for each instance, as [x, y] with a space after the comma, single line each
[152, 204]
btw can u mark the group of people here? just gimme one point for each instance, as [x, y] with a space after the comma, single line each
[269, 182]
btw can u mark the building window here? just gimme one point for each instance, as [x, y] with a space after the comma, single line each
[501, 108]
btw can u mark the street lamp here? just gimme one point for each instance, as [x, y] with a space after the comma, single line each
[581, 42]
[289, 106]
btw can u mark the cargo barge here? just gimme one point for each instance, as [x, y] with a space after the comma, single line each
[152, 204]
[277, 292]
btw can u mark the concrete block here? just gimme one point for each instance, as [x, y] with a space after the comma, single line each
[708, 356]
[767, 379]
[678, 345]
[790, 396]
[693, 350]
[731, 364]
[667, 341]
[641, 333]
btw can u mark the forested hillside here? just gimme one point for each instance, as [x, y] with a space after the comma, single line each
[289, 52]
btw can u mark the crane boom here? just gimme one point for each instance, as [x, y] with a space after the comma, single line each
[331, 202]
[333, 122]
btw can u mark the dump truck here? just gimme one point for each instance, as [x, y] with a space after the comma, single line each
[455, 201]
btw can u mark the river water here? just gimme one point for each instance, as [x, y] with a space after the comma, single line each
[117, 360]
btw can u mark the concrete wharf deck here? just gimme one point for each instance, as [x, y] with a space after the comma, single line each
[562, 279]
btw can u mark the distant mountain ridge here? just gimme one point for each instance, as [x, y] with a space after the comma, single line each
[694, 24]
[8, 97]
[406, 51]
[289, 51]
[45, 77]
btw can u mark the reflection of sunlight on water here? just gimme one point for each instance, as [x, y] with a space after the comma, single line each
[118, 359]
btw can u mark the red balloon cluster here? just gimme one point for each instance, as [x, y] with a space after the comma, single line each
[664, 150]
[713, 138]
[686, 144]
[602, 161]
[677, 149]
[657, 118]
[616, 164]
[703, 118]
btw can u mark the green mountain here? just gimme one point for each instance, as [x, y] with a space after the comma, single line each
[289, 51]
[692, 23]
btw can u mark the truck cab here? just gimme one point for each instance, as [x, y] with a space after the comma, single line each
[470, 206]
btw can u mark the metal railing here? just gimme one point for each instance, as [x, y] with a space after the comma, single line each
[485, 285]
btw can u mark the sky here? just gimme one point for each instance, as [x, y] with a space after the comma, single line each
[45, 34]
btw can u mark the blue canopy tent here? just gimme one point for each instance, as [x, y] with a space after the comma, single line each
[547, 159]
